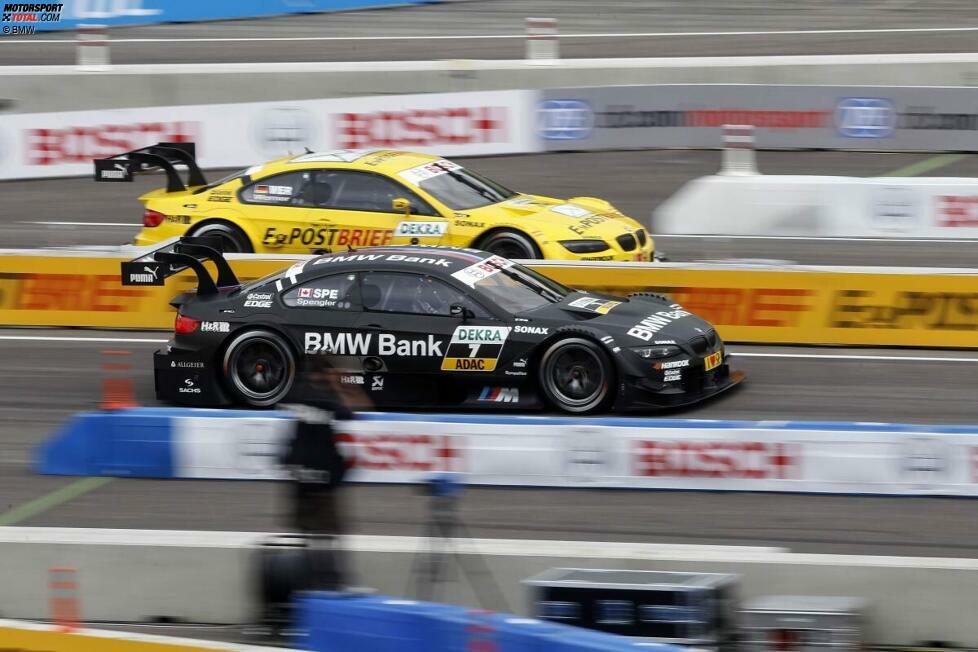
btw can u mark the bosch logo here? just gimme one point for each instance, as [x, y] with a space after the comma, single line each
[865, 117]
[564, 119]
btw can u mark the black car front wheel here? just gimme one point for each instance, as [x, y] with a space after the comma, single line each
[576, 375]
[259, 368]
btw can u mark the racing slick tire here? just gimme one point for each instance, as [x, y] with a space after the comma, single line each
[233, 239]
[576, 375]
[509, 244]
[259, 368]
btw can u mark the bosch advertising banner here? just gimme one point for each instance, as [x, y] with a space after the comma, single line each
[30, 17]
[534, 451]
[823, 117]
[236, 135]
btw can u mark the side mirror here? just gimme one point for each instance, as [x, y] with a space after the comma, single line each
[459, 311]
[401, 205]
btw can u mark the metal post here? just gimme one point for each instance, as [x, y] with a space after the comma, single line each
[92, 48]
[541, 40]
[738, 151]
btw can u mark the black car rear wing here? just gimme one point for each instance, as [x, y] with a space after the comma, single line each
[188, 252]
[161, 156]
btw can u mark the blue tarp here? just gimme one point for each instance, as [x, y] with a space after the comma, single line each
[116, 13]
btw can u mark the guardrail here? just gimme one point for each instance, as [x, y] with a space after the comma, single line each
[627, 453]
[671, 101]
[207, 576]
[878, 306]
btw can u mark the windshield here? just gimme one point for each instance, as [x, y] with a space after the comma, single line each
[462, 189]
[518, 289]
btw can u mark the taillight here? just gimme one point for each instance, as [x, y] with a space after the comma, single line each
[152, 218]
[184, 325]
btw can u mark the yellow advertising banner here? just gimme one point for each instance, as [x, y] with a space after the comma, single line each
[39, 638]
[845, 306]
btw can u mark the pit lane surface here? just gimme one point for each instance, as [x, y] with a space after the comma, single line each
[64, 212]
[46, 380]
[668, 28]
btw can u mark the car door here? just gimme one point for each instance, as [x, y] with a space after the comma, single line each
[360, 208]
[283, 206]
[410, 317]
[322, 317]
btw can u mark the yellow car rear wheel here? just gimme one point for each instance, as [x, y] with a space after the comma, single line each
[233, 239]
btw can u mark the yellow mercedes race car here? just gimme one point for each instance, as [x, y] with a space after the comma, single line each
[332, 201]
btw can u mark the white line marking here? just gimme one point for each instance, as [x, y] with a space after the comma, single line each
[742, 354]
[839, 356]
[520, 35]
[119, 224]
[806, 237]
[114, 340]
[604, 63]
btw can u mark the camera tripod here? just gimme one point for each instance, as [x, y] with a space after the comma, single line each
[431, 568]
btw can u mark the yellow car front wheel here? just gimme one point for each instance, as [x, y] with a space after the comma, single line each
[509, 244]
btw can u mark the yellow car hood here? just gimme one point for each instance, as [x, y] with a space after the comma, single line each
[576, 218]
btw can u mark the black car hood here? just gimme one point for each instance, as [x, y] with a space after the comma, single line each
[634, 321]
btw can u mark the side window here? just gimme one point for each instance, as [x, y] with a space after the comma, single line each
[282, 190]
[363, 191]
[413, 293]
[337, 292]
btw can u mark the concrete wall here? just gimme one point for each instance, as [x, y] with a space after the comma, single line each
[132, 575]
[61, 88]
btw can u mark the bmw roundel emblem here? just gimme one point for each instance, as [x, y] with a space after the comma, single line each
[564, 119]
[865, 117]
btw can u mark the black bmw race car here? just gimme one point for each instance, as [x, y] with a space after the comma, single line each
[427, 327]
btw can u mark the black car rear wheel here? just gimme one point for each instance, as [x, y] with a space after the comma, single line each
[259, 368]
[576, 375]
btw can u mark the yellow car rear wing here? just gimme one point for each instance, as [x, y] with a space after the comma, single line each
[161, 156]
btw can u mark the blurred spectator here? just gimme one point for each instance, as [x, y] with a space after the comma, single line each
[317, 467]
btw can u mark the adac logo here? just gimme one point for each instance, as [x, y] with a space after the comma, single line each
[564, 119]
[865, 117]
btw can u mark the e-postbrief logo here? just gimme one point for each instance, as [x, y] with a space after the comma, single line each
[564, 119]
[865, 117]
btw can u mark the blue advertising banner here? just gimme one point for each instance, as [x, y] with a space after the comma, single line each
[28, 17]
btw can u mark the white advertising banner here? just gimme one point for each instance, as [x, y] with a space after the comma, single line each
[732, 456]
[822, 206]
[237, 135]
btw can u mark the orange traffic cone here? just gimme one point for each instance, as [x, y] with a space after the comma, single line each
[117, 385]
[63, 587]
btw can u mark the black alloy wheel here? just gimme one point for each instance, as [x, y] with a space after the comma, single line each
[259, 368]
[233, 239]
[576, 375]
[510, 244]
